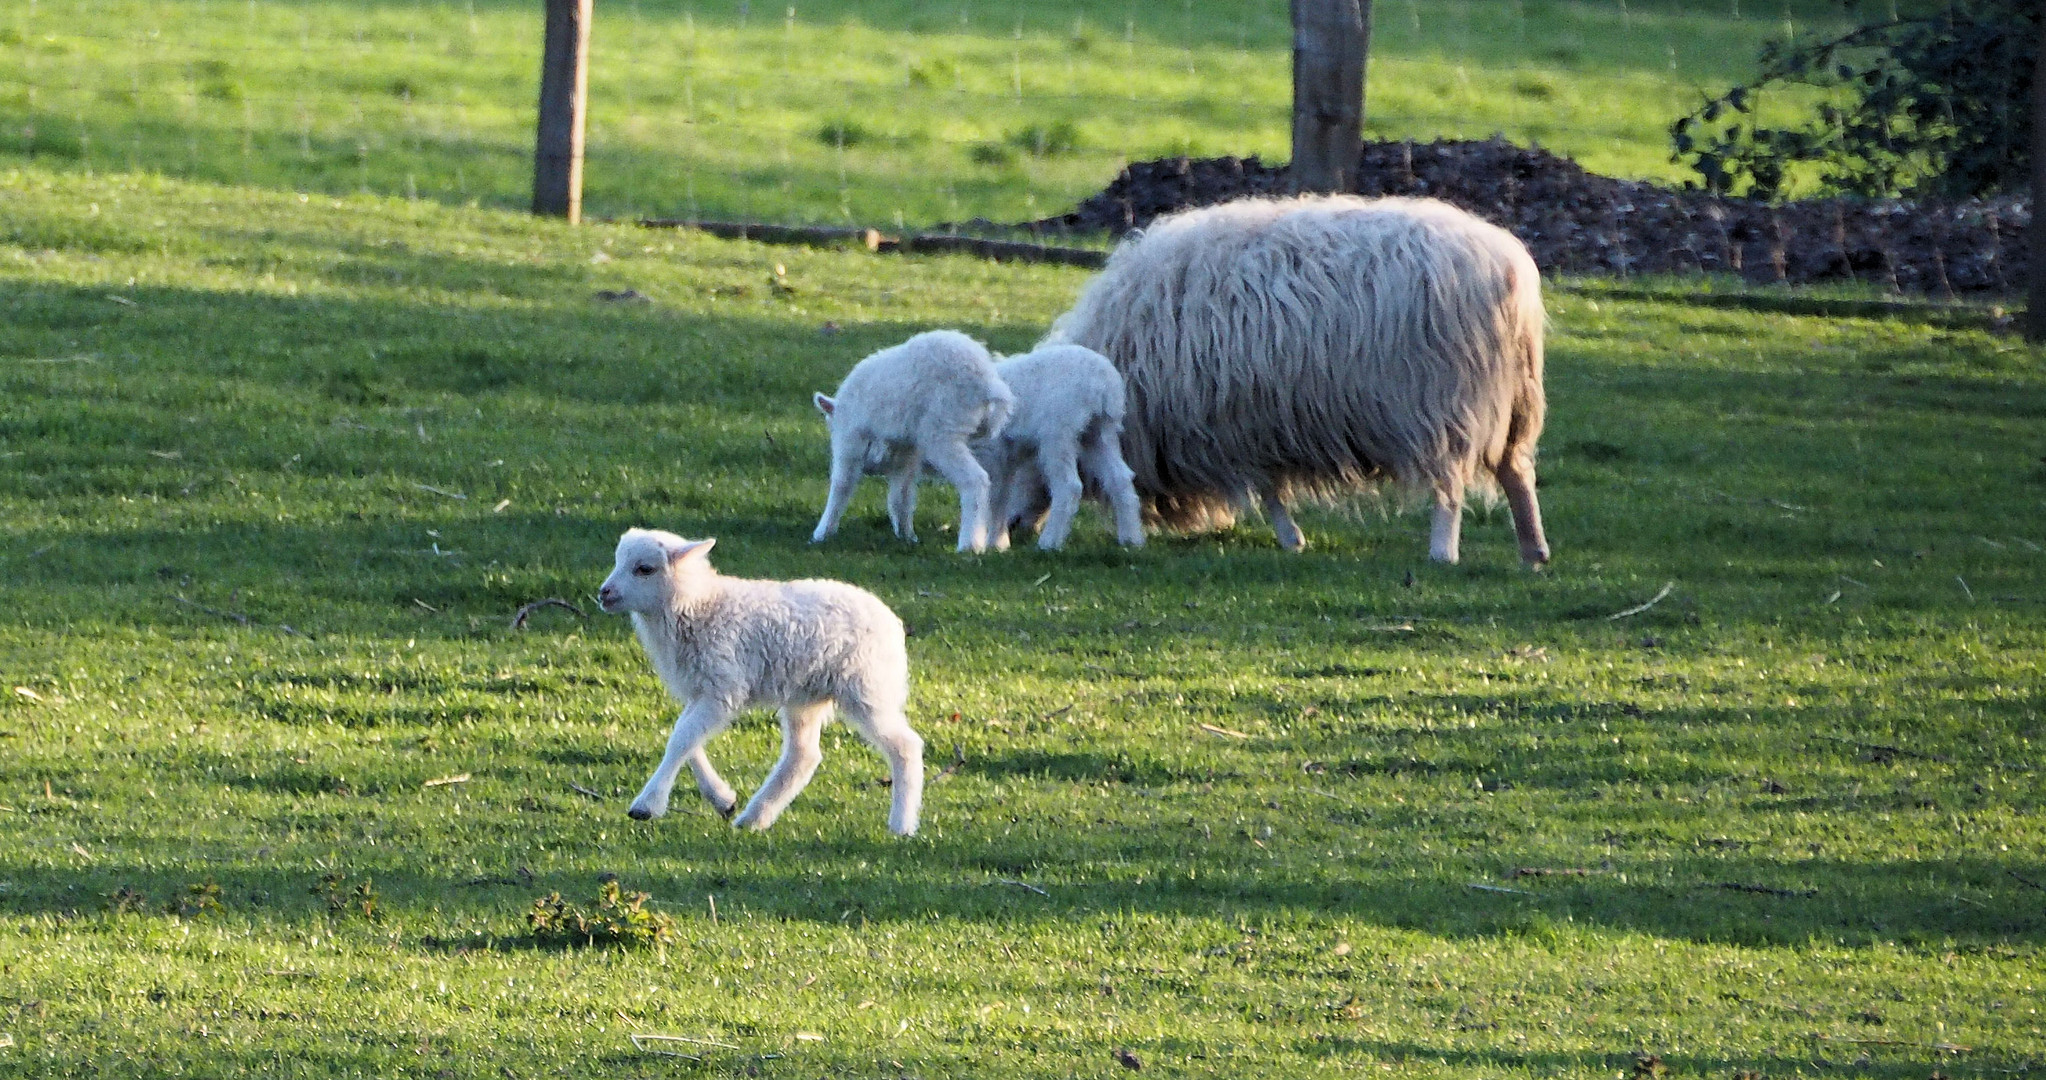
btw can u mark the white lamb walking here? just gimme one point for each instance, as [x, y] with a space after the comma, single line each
[722, 644]
[1067, 420]
[921, 402]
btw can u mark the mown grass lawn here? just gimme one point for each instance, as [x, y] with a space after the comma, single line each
[275, 472]
[881, 112]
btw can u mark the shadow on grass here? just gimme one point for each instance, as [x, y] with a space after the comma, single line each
[1740, 900]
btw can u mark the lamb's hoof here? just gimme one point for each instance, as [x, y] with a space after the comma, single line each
[727, 811]
[640, 813]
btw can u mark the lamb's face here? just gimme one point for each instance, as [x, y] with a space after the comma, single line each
[645, 570]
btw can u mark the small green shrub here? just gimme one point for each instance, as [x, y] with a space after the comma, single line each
[844, 132]
[621, 918]
[345, 899]
[199, 898]
[1047, 140]
[991, 154]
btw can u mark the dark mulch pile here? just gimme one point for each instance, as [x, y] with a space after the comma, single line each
[1578, 222]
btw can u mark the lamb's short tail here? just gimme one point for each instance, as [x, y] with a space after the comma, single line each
[1000, 404]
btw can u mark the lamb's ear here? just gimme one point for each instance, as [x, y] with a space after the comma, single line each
[824, 404]
[695, 549]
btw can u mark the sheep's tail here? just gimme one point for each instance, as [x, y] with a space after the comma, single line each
[1000, 404]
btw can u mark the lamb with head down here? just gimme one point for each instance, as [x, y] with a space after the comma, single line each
[923, 402]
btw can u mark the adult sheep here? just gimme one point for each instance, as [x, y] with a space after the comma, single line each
[1317, 346]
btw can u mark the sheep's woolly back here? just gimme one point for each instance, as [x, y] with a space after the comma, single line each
[1315, 346]
[936, 386]
[1061, 391]
[747, 642]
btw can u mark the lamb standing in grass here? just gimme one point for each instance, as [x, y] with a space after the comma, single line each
[722, 644]
[1067, 419]
[920, 402]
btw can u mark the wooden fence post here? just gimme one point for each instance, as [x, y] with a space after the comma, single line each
[2035, 237]
[564, 87]
[1331, 41]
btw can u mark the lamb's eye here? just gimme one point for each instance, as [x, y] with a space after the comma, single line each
[642, 571]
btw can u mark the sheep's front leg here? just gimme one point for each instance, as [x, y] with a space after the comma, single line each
[801, 728]
[1060, 463]
[902, 496]
[956, 463]
[1102, 457]
[1022, 501]
[1444, 531]
[1288, 532]
[699, 721]
[845, 476]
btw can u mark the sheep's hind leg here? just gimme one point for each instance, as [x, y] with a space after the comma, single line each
[1443, 532]
[1101, 455]
[957, 464]
[1060, 464]
[801, 727]
[889, 732]
[1516, 478]
[902, 497]
[1285, 529]
[699, 721]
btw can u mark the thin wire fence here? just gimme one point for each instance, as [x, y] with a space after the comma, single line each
[871, 112]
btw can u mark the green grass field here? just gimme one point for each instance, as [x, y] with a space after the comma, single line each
[276, 470]
[841, 111]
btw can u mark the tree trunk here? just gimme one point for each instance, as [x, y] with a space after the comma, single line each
[564, 85]
[1331, 40]
[2035, 237]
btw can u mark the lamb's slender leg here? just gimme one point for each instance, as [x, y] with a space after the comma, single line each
[902, 496]
[801, 727]
[1516, 477]
[1060, 463]
[888, 731]
[1102, 456]
[700, 720]
[956, 463]
[1001, 475]
[845, 476]
[1024, 505]
[1283, 527]
[1448, 524]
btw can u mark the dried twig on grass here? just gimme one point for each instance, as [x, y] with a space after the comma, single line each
[1553, 871]
[1060, 711]
[519, 620]
[1763, 889]
[1943, 1047]
[1497, 889]
[1886, 749]
[1644, 606]
[640, 1043]
[2023, 880]
[581, 790]
[1020, 885]
[215, 612]
[1213, 730]
[444, 781]
[441, 491]
[958, 763]
[684, 1039]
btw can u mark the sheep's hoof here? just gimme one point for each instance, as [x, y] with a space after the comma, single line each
[727, 811]
[640, 814]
